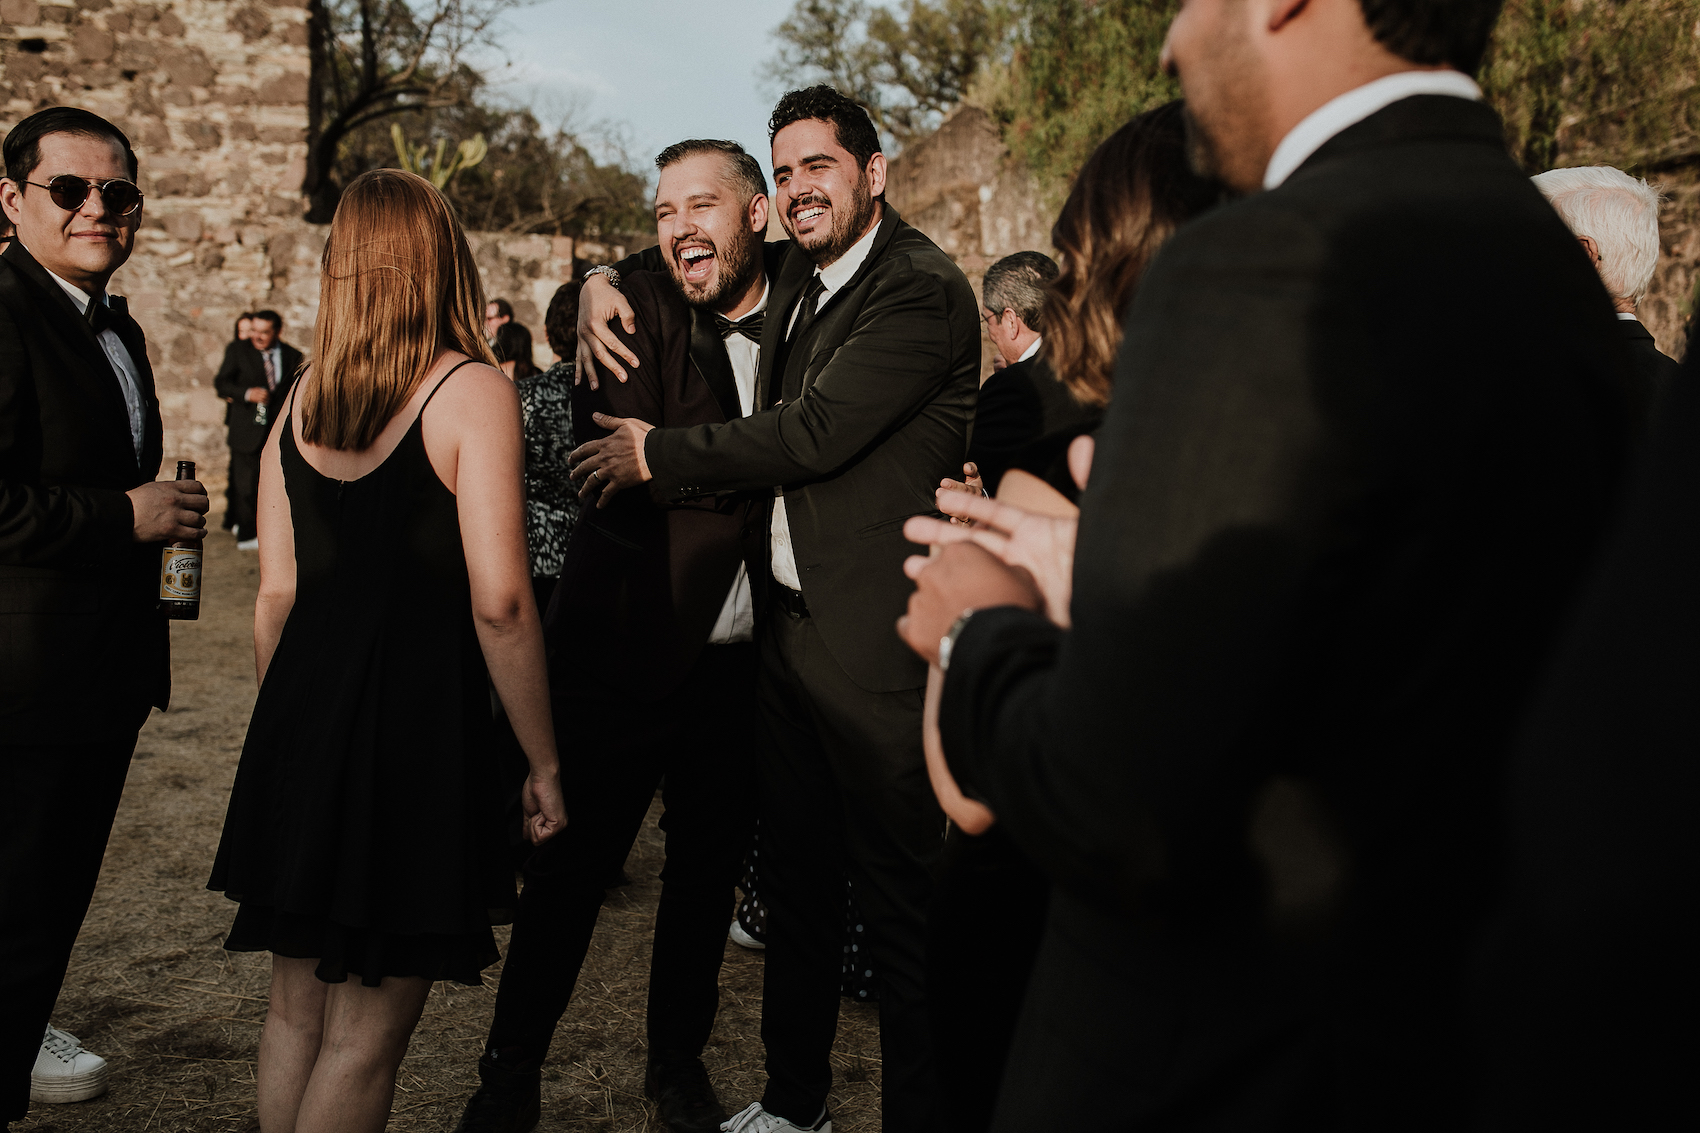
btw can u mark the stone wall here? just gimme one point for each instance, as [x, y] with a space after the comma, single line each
[212, 94]
[960, 186]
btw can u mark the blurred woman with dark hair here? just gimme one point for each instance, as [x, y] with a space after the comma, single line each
[513, 351]
[987, 916]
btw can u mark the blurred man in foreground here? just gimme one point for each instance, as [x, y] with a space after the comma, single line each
[1330, 532]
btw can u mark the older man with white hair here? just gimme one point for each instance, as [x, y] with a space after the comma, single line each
[1616, 218]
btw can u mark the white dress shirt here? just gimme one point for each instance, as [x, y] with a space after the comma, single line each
[1032, 349]
[737, 620]
[1626, 317]
[832, 279]
[129, 378]
[1353, 107]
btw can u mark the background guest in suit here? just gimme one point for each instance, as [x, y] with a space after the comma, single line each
[868, 373]
[1616, 219]
[84, 651]
[238, 342]
[513, 351]
[497, 314]
[1330, 533]
[675, 699]
[1025, 417]
[255, 381]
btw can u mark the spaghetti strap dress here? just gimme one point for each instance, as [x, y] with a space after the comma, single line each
[365, 825]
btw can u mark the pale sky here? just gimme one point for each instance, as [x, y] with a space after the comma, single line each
[659, 70]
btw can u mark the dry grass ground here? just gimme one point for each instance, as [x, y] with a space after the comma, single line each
[152, 990]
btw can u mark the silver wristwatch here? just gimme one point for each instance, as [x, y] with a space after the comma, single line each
[604, 269]
[947, 643]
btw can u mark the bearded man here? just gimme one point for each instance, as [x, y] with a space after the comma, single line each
[661, 591]
[865, 388]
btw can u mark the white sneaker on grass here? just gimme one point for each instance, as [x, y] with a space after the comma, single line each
[755, 1119]
[65, 1072]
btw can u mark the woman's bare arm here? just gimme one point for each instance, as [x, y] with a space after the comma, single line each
[276, 529]
[476, 419]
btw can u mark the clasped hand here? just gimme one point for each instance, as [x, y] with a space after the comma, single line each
[604, 467]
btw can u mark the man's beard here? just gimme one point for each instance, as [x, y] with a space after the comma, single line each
[1224, 142]
[736, 267]
[848, 226]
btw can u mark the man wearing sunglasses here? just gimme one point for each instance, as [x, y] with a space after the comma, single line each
[84, 651]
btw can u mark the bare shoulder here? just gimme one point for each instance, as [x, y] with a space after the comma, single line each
[471, 388]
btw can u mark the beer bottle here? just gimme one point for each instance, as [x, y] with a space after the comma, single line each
[180, 569]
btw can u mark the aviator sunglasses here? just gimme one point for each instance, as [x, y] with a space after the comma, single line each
[69, 193]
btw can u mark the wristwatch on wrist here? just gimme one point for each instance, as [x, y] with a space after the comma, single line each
[947, 643]
[604, 269]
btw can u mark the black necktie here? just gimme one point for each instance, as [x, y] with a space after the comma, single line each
[806, 307]
[749, 326]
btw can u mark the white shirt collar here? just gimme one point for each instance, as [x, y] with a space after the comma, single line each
[1031, 350]
[837, 275]
[78, 295]
[1353, 107]
[1626, 317]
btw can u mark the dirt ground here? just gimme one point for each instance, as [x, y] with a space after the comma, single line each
[152, 990]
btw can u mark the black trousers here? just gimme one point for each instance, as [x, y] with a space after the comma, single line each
[844, 789]
[701, 739]
[982, 938]
[57, 802]
[244, 492]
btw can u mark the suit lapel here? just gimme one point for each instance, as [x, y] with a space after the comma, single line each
[794, 273]
[708, 351]
[95, 376]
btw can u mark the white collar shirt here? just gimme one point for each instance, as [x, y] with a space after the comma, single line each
[1032, 349]
[737, 619]
[1626, 317]
[833, 277]
[129, 378]
[1346, 110]
[275, 353]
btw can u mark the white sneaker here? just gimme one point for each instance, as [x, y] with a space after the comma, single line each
[743, 939]
[65, 1072]
[755, 1119]
[248, 545]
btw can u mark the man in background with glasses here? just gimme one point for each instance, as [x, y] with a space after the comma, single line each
[84, 651]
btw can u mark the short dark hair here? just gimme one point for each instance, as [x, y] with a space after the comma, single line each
[503, 308]
[1017, 283]
[745, 169]
[1453, 32]
[851, 125]
[22, 151]
[272, 317]
[560, 322]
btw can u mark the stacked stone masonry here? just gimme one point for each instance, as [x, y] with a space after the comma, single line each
[213, 95]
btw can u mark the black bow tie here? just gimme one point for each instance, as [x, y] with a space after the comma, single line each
[101, 316]
[749, 326]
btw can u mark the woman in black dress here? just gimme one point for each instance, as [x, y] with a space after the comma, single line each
[364, 837]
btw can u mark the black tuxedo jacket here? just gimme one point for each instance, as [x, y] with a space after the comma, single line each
[1654, 370]
[83, 649]
[1330, 532]
[1025, 419]
[644, 578]
[877, 394]
[242, 370]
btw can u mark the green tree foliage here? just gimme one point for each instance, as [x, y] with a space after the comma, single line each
[1586, 81]
[378, 63]
[1072, 72]
[907, 65]
[1577, 81]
